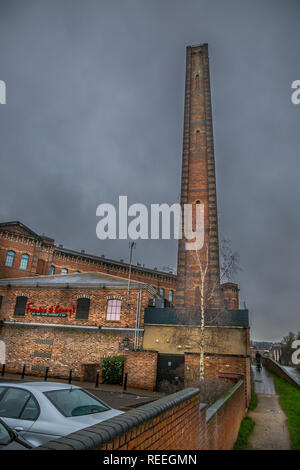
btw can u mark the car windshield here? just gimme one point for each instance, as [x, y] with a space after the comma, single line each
[75, 402]
[5, 437]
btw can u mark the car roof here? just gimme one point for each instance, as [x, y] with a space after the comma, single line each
[41, 386]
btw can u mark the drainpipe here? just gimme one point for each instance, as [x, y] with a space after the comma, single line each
[137, 320]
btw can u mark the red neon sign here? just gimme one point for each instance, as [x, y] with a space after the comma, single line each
[49, 309]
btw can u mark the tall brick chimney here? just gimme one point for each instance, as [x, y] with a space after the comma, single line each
[198, 182]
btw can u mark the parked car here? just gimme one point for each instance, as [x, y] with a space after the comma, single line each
[10, 440]
[42, 411]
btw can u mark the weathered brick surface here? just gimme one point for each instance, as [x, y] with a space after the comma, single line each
[220, 366]
[198, 181]
[62, 348]
[141, 367]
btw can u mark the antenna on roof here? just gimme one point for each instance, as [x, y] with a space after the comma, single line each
[132, 245]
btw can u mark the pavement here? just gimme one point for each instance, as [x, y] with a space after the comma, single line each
[270, 431]
[113, 395]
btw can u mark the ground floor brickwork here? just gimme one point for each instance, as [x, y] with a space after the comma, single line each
[141, 369]
[217, 365]
[59, 349]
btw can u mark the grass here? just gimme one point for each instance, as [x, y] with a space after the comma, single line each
[246, 428]
[247, 425]
[253, 401]
[289, 399]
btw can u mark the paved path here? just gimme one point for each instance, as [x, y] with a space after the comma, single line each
[270, 431]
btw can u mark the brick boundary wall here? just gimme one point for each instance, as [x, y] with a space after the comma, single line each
[277, 369]
[221, 366]
[176, 422]
[223, 419]
[141, 367]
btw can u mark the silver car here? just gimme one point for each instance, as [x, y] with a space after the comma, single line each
[42, 411]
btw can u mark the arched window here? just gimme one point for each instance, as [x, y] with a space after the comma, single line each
[10, 258]
[52, 270]
[197, 81]
[20, 307]
[24, 262]
[171, 296]
[113, 310]
[162, 292]
[198, 138]
[83, 308]
[64, 271]
[77, 272]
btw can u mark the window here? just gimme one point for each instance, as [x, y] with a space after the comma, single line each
[20, 307]
[197, 81]
[83, 308]
[75, 402]
[113, 310]
[52, 270]
[170, 296]
[1, 299]
[162, 292]
[10, 258]
[77, 272]
[198, 139]
[17, 403]
[24, 262]
[64, 271]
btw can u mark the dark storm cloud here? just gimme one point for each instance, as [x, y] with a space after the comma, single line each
[95, 109]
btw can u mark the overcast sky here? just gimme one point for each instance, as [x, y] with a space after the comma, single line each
[95, 93]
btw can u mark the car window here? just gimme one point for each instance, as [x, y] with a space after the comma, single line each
[5, 437]
[30, 410]
[13, 402]
[75, 402]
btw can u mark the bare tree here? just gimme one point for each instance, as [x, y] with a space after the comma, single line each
[209, 294]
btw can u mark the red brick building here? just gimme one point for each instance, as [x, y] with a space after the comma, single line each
[25, 253]
[65, 321]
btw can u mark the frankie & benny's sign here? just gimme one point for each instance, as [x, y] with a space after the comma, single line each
[49, 311]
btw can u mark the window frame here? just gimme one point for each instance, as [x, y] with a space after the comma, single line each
[6, 388]
[18, 297]
[76, 315]
[113, 313]
[162, 292]
[26, 257]
[51, 268]
[8, 254]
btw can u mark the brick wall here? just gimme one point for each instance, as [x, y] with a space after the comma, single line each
[277, 369]
[217, 366]
[175, 422]
[56, 348]
[141, 367]
[223, 419]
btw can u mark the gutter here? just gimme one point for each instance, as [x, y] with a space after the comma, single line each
[75, 327]
[55, 325]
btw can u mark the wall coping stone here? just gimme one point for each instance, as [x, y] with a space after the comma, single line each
[108, 430]
[284, 369]
[215, 407]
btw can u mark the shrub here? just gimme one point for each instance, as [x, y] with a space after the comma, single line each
[112, 372]
[212, 388]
